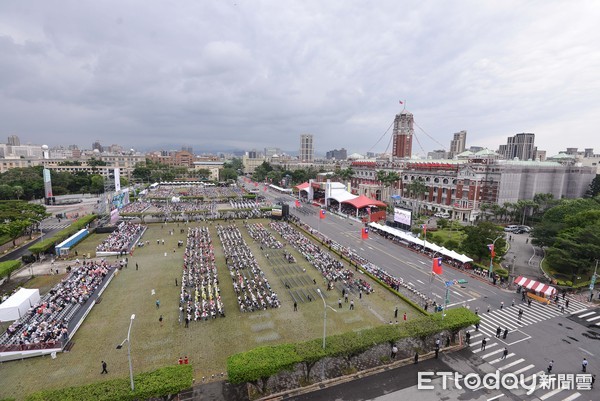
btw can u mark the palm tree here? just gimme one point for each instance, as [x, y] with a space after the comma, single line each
[346, 174]
[416, 189]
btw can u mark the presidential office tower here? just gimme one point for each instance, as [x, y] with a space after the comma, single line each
[402, 135]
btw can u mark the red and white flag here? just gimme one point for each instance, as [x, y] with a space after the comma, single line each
[492, 252]
[437, 266]
[365, 233]
[322, 214]
[424, 227]
[297, 203]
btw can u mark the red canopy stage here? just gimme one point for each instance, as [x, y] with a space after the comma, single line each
[363, 201]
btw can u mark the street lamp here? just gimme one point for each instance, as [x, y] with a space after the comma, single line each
[492, 253]
[129, 350]
[324, 317]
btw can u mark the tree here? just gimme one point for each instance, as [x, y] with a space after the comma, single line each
[227, 174]
[416, 189]
[14, 229]
[97, 184]
[18, 191]
[594, 188]
[203, 174]
[346, 174]
[477, 238]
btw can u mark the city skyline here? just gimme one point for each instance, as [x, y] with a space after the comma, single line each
[238, 76]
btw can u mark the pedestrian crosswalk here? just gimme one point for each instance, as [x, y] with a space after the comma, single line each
[49, 226]
[508, 318]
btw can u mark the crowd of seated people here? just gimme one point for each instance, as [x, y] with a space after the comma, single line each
[396, 283]
[122, 238]
[332, 269]
[243, 204]
[135, 207]
[249, 281]
[46, 323]
[200, 297]
[263, 236]
[207, 193]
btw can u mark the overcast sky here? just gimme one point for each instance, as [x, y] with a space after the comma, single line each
[243, 74]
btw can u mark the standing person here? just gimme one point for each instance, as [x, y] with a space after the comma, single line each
[567, 304]
[160, 320]
[513, 302]
[157, 303]
[295, 306]
[468, 337]
[136, 266]
[339, 303]
[520, 313]
[498, 331]
[186, 360]
[187, 321]
[180, 361]
[396, 312]
[394, 351]
[477, 310]
[501, 305]
[352, 304]
[550, 365]
[104, 368]
[175, 281]
[404, 317]
[489, 307]
[584, 364]
[504, 353]
[483, 343]
[346, 297]
[505, 333]
[477, 326]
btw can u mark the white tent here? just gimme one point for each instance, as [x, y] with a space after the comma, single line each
[18, 304]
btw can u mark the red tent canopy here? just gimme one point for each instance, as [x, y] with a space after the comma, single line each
[363, 201]
[302, 186]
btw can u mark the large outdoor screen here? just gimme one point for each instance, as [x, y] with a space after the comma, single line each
[402, 216]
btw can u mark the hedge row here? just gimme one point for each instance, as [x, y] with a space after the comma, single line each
[159, 383]
[60, 236]
[263, 362]
[6, 268]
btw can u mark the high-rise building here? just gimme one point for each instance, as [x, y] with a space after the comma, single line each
[187, 148]
[96, 145]
[402, 135]
[520, 146]
[307, 153]
[341, 154]
[458, 143]
[13, 140]
[253, 154]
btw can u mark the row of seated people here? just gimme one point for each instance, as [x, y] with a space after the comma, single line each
[244, 214]
[249, 281]
[200, 294]
[243, 204]
[196, 190]
[47, 321]
[259, 233]
[122, 238]
[184, 206]
[332, 269]
[396, 283]
[135, 207]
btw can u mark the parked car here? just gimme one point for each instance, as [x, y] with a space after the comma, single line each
[526, 229]
[442, 215]
[510, 229]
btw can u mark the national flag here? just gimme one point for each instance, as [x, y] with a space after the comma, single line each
[437, 266]
[365, 233]
[297, 203]
[491, 248]
[424, 227]
[322, 214]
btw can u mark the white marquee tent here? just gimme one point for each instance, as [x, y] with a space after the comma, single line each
[18, 304]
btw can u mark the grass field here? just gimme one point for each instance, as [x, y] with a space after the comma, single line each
[207, 344]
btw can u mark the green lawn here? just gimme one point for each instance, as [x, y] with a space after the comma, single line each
[207, 344]
[445, 235]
